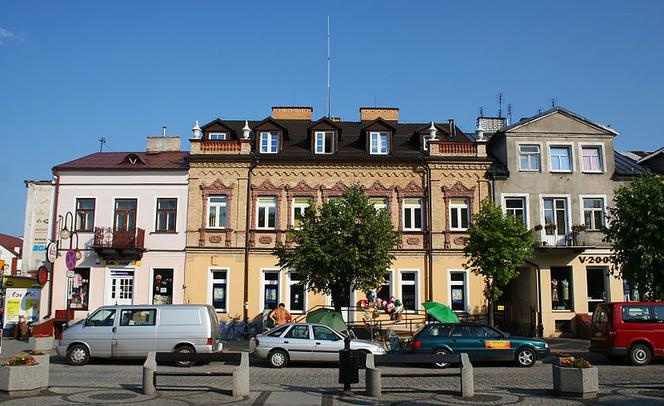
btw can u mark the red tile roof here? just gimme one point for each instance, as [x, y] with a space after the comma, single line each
[11, 243]
[123, 161]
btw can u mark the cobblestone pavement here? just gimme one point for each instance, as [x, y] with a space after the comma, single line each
[118, 382]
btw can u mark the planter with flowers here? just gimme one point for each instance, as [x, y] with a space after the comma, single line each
[23, 374]
[41, 357]
[574, 377]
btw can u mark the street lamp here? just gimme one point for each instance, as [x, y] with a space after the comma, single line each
[65, 224]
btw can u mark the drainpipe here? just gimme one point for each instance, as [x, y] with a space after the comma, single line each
[540, 325]
[53, 236]
[429, 245]
[247, 224]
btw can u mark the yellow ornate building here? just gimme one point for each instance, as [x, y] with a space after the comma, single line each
[249, 181]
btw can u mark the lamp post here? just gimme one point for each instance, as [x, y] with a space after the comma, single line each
[66, 231]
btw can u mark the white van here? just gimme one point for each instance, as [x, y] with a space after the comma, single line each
[134, 331]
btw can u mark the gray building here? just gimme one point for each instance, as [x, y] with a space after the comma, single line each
[557, 172]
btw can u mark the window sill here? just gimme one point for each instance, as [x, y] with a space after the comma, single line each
[217, 229]
[164, 232]
[220, 311]
[530, 170]
[554, 171]
[593, 172]
[562, 311]
[458, 230]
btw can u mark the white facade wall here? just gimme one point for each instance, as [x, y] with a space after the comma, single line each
[163, 251]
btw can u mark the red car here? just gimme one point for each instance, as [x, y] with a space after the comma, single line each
[628, 329]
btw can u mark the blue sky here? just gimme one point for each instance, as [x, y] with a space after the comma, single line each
[72, 72]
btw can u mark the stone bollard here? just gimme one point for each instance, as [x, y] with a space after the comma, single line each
[467, 383]
[148, 374]
[241, 377]
[372, 377]
[41, 343]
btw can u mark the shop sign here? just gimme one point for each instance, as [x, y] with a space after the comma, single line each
[596, 259]
[21, 302]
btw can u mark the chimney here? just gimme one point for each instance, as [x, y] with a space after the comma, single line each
[372, 113]
[163, 144]
[490, 125]
[452, 127]
[292, 113]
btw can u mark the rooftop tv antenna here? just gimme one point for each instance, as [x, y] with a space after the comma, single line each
[102, 141]
[509, 113]
[481, 111]
[329, 86]
[553, 103]
[500, 104]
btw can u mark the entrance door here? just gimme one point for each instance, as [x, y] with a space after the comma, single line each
[121, 288]
[597, 285]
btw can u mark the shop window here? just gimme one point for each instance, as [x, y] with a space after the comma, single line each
[458, 292]
[162, 287]
[561, 288]
[79, 289]
[270, 290]
[219, 293]
[297, 298]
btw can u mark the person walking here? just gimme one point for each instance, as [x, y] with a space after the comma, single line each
[280, 315]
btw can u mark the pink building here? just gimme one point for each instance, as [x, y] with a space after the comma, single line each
[129, 211]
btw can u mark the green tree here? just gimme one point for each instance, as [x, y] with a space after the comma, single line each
[498, 244]
[636, 233]
[342, 245]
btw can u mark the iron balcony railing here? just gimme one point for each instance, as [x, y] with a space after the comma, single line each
[107, 237]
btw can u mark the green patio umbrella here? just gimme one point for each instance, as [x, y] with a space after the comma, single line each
[440, 312]
[327, 317]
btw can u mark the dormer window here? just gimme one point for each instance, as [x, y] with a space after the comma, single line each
[218, 136]
[378, 142]
[132, 159]
[324, 142]
[269, 142]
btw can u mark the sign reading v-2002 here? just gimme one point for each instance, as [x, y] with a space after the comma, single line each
[596, 260]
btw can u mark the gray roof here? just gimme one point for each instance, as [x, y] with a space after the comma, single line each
[627, 167]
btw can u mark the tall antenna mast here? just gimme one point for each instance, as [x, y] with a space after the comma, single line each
[500, 104]
[509, 113]
[329, 88]
[102, 141]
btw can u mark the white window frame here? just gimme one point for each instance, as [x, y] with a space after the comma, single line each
[217, 216]
[379, 142]
[289, 283]
[602, 157]
[582, 210]
[416, 282]
[465, 284]
[323, 134]
[261, 304]
[526, 199]
[572, 159]
[223, 136]
[390, 272]
[518, 155]
[272, 142]
[408, 209]
[211, 282]
[266, 206]
[298, 206]
[379, 206]
[459, 217]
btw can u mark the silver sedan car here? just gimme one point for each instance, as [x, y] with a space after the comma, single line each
[306, 342]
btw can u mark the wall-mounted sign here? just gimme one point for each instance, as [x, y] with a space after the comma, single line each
[51, 252]
[70, 259]
[21, 302]
[596, 259]
[42, 275]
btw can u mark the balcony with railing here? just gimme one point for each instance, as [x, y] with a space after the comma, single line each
[112, 244]
[553, 238]
[457, 149]
[227, 147]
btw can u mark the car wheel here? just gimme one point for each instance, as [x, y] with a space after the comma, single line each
[78, 354]
[640, 355]
[185, 349]
[526, 357]
[441, 364]
[278, 359]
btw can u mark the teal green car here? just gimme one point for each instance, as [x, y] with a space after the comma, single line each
[480, 341]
